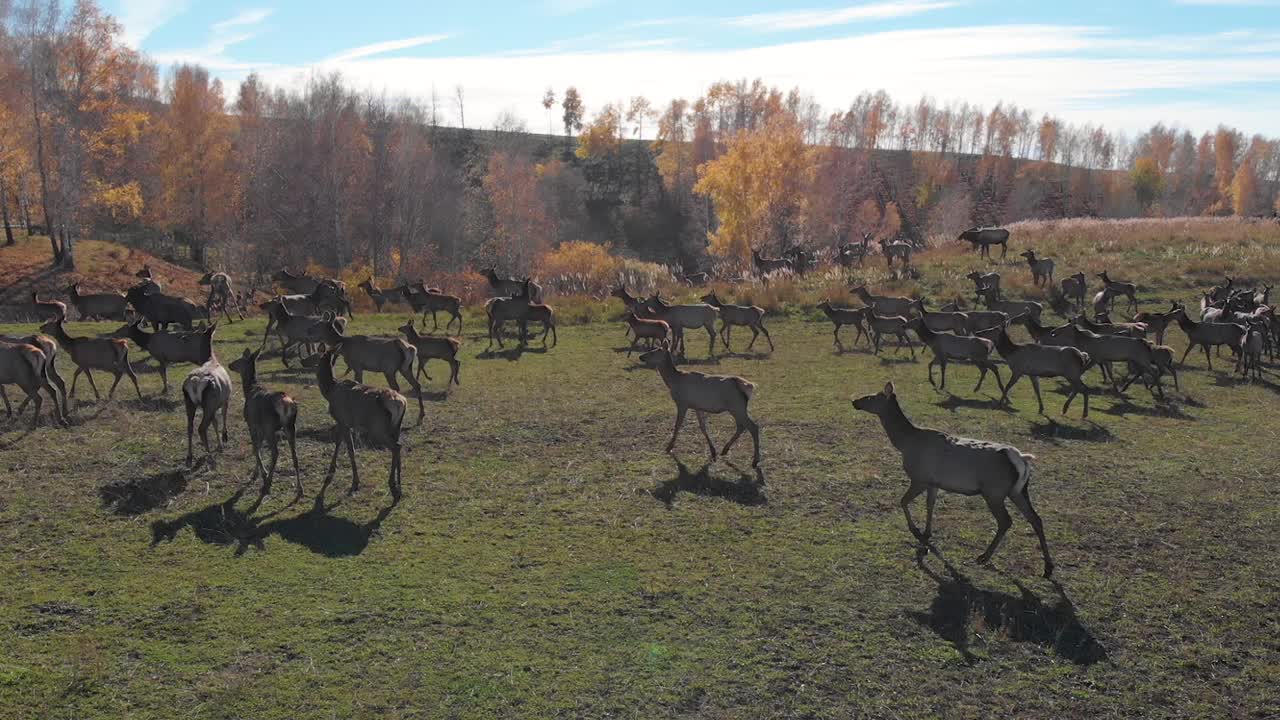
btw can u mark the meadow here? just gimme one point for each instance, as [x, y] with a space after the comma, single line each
[550, 560]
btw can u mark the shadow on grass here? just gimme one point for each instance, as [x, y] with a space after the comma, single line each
[746, 490]
[154, 403]
[510, 354]
[1164, 410]
[1021, 618]
[135, 497]
[952, 402]
[712, 360]
[841, 350]
[224, 525]
[746, 355]
[1052, 431]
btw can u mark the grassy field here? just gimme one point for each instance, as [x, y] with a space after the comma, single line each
[549, 560]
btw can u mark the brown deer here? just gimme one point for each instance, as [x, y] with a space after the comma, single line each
[706, 394]
[268, 414]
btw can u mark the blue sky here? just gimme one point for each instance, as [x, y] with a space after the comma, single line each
[1124, 63]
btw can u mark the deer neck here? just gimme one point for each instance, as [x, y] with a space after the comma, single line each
[897, 426]
[61, 335]
[669, 372]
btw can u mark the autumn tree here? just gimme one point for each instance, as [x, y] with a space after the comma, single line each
[1148, 182]
[573, 111]
[638, 111]
[522, 228]
[548, 102]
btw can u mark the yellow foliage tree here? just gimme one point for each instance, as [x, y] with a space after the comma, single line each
[603, 136]
[757, 187]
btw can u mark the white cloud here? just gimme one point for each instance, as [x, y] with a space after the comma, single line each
[809, 19]
[1229, 3]
[245, 17]
[140, 18]
[1074, 72]
[569, 7]
[386, 46]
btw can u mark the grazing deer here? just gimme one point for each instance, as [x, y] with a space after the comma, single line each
[207, 388]
[884, 304]
[384, 355]
[111, 354]
[655, 331]
[1208, 334]
[934, 460]
[895, 249]
[706, 394]
[376, 412]
[1116, 289]
[434, 348]
[1074, 289]
[1037, 361]
[856, 317]
[983, 238]
[1041, 268]
[748, 316]
[268, 414]
[101, 306]
[947, 346]
[48, 309]
[27, 366]
[166, 348]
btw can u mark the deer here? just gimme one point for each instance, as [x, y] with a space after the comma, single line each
[1013, 307]
[947, 346]
[1156, 322]
[1074, 288]
[655, 331]
[982, 281]
[207, 388]
[166, 348]
[1037, 361]
[1041, 268]
[100, 306]
[49, 347]
[293, 330]
[1118, 288]
[385, 355]
[895, 249]
[510, 287]
[851, 254]
[1103, 327]
[437, 348]
[162, 310]
[111, 354]
[935, 460]
[686, 317]
[300, 284]
[220, 295]
[1208, 334]
[706, 394]
[381, 297]
[942, 321]
[749, 316]
[1251, 356]
[423, 300]
[896, 325]
[48, 309]
[977, 321]
[376, 412]
[767, 266]
[149, 283]
[268, 415]
[27, 366]
[856, 317]
[983, 238]
[500, 310]
[1103, 350]
[884, 304]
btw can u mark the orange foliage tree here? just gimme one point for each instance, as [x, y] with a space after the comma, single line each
[522, 227]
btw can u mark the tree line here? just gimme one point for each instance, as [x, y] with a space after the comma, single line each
[95, 139]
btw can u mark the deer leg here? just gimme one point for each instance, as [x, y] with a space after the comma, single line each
[912, 493]
[1022, 501]
[191, 426]
[454, 365]
[711, 340]
[1003, 521]
[1208, 357]
[417, 390]
[351, 453]
[680, 411]
[208, 418]
[92, 384]
[836, 334]
[164, 378]
[75, 377]
[1183, 361]
[931, 497]
[226, 402]
[35, 413]
[767, 336]
[341, 433]
[1014, 377]
[393, 480]
[391, 380]
[702, 423]
[8, 409]
[275, 456]
[435, 324]
[1035, 384]
[291, 432]
[931, 381]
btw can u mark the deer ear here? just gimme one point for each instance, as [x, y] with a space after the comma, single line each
[888, 389]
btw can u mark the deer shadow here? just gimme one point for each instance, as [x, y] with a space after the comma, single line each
[896, 360]
[154, 403]
[1164, 409]
[952, 402]
[1024, 617]
[712, 360]
[746, 490]
[746, 355]
[1051, 431]
[509, 354]
[224, 525]
[134, 497]
[855, 350]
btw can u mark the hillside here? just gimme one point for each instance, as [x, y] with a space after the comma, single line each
[101, 266]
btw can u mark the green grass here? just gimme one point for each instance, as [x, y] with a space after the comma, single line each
[549, 560]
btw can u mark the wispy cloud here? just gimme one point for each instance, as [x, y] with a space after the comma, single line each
[569, 7]
[646, 44]
[1229, 3]
[386, 46]
[243, 19]
[140, 18]
[809, 19]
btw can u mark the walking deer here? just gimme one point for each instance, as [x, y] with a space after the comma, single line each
[655, 331]
[434, 348]
[846, 316]
[934, 460]
[1116, 288]
[706, 394]
[207, 388]
[1041, 268]
[27, 366]
[983, 238]
[48, 309]
[376, 412]
[100, 306]
[1037, 361]
[947, 346]
[1074, 289]
[388, 356]
[110, 354]
[748, 316]
[268, 415]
